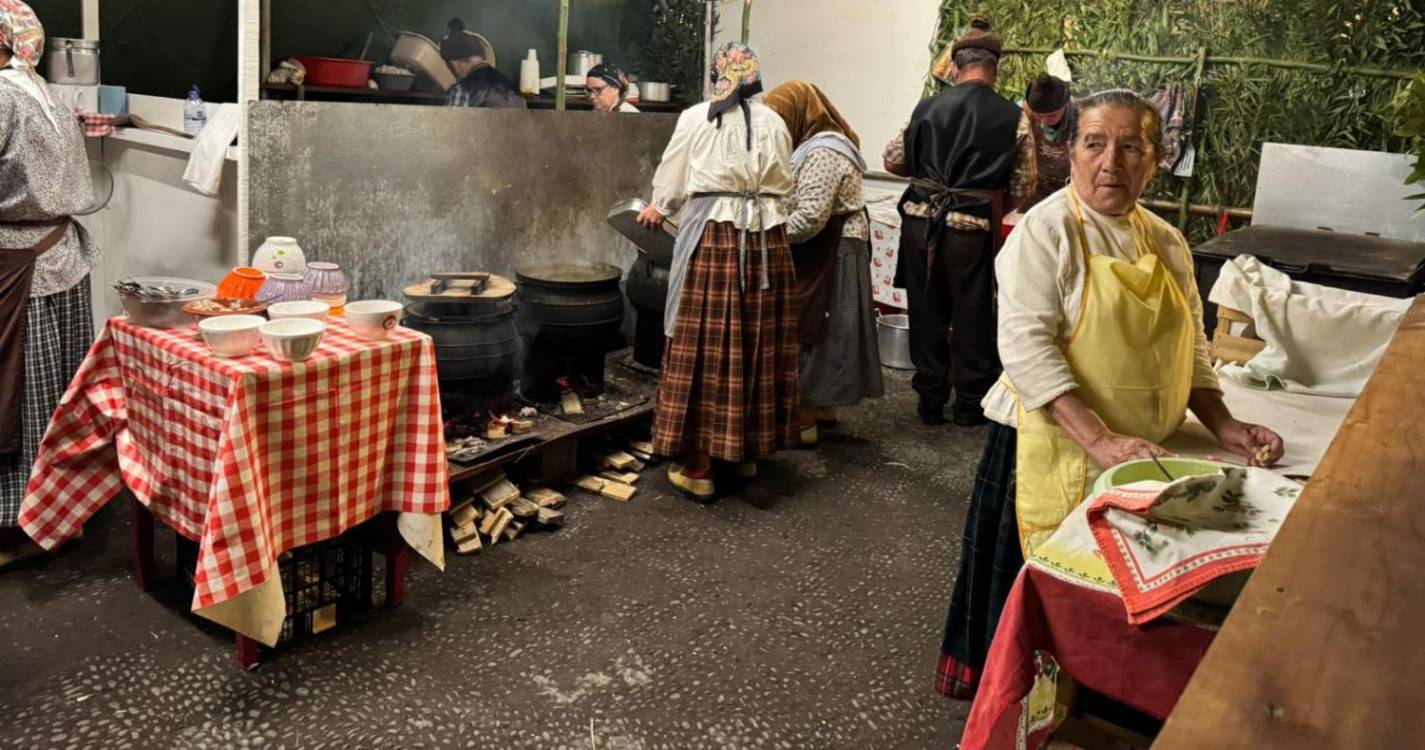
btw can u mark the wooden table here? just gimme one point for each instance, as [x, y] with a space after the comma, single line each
[1322, 649]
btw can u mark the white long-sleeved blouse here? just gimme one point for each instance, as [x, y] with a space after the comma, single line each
[704, 158]
[1041, 271]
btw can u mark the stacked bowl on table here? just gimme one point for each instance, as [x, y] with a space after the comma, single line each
[230, 318]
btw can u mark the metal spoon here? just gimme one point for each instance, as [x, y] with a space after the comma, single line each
[1162, 468]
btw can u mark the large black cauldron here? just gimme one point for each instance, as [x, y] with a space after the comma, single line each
[476, 351]
[570, 315]
[647, 287]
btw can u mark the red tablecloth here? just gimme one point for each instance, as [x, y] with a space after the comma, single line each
[1088, 635]
[250, 457]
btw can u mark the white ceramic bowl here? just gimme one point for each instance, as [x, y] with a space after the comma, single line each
[373, 319]
[310, 309]
[232, 335]
[293, 339]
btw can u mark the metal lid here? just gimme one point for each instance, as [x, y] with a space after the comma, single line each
[655, 243]
[1332, 253]
[59, 43]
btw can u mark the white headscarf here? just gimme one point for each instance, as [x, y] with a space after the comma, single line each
[24, 38]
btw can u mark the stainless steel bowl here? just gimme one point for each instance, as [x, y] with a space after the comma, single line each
[893, 336]
[655, 243]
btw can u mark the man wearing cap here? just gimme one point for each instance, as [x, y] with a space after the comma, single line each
[1051, 119]
[478, 84]
[970, 157]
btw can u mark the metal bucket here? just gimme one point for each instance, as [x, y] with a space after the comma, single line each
[893, 335]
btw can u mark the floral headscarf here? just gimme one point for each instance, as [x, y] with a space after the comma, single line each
[736, 77]
[21, 32]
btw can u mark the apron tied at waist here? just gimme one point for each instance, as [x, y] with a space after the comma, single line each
[749, 203]
[17, 267]
[939, 197]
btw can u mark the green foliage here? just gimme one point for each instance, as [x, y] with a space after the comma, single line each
[1243, 104]
[1410, 123]
[674, 52]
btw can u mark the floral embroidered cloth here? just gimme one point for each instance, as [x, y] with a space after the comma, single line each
[1167, 542]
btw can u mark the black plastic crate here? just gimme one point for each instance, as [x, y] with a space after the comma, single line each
[338, 571]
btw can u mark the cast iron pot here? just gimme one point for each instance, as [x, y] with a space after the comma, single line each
[574, 305]
[470, 341]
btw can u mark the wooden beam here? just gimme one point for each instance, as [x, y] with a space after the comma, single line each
[1321, 650]
[562, 64]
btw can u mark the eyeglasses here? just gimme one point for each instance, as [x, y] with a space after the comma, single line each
[596, 91]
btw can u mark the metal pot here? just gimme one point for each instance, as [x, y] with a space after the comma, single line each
[471, 341]
[570, 305]
[893, 336]
[647, 288]
[652, 91]
[73, 62]
[580, 63]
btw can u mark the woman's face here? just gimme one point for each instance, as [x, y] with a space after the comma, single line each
[1112, 161]
[605, 97]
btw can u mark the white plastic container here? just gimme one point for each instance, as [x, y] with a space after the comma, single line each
[529, 74]
[195, 113]
[279, 255]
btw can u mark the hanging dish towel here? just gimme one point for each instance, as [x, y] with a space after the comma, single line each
[1166, 542]
[205, 166]
[1320, 340]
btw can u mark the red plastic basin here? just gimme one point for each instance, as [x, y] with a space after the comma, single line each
[335, 71]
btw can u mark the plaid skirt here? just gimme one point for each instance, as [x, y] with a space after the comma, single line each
[59, 330]
[990, 560]
[728, 387]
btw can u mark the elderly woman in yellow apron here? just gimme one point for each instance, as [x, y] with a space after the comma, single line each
[1100, 331]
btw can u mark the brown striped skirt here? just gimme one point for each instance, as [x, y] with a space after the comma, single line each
[729, 382]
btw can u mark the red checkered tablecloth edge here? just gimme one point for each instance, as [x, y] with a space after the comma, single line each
[251, 456]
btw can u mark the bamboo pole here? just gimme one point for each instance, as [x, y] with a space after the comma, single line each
[1223, 60]
[562, 66]
[746, 21]
[1186, 194]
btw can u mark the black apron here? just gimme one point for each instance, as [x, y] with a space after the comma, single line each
[17, 268]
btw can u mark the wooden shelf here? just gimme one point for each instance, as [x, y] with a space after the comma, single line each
[337, 93]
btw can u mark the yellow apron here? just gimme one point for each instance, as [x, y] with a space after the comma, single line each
[1131, 354]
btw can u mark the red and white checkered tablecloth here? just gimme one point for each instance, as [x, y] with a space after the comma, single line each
[249, 457]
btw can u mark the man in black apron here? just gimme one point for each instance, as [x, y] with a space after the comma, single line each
[969, 154]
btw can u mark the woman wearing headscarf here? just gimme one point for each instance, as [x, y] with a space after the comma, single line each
[608, 88]
[45, 257]
[728, 390]
[830, 234]
[478, 83]
[1101, 334]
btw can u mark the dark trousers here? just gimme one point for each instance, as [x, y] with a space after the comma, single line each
[952, 316]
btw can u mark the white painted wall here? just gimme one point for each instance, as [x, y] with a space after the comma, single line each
[870, 58]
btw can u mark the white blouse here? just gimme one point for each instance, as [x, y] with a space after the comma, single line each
[703, 158]
[1041, 272]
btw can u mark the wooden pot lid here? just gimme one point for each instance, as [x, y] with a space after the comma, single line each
[462, 287]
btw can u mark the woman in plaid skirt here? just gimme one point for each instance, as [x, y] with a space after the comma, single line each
[45, 258]
[728, 390]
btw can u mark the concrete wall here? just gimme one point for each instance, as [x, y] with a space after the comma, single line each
[394, 193]
[871, 58]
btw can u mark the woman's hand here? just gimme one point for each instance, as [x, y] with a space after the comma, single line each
[1112, 449]
[1259, 445]
[650, 217]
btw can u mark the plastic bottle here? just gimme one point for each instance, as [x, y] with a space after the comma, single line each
[529, 74]
[195, 115]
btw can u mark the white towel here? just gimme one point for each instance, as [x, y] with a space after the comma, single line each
[1319, 339]
[205, 166]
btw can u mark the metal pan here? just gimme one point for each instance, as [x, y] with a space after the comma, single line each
[655, 243]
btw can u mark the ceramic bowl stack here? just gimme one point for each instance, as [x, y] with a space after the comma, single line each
[284, 287]
[293, 339]
[327, 284]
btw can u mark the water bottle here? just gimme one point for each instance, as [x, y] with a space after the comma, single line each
[195, 116]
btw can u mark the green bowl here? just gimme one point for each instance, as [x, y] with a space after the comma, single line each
[1144, 470]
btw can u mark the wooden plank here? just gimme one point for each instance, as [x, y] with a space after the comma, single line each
[622, 477]
[466, 514]
[618, 491]
[590, 483]
[545, 497]
[1321, 650]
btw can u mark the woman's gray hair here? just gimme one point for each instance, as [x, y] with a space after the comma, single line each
[1148, 115]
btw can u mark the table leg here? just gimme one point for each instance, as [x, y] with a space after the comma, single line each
[142, 538]
[398, 558]
[247, 651]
